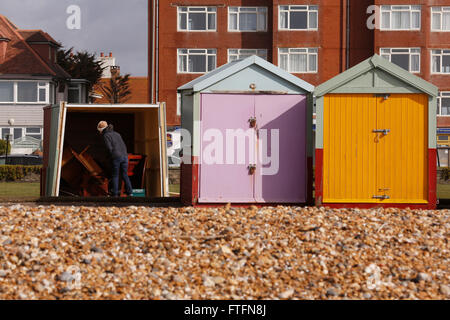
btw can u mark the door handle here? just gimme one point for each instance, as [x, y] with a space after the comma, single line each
[383, 197]
[383, 131]
[252, 122]
[251, 169]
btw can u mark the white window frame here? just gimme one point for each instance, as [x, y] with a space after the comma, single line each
[40, 85]
[434, 53]
[24, 132]
[434, 10]
[411, 9]
[190, 10]
[442, 95]
[14, 93]
[206, 52]
[410, 52]
[258, 11]
[262, 53]
[309, 52]
[308, 9]
[72, 87]
[44, 86]
[11, 139]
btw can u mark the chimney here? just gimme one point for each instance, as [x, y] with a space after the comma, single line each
[3, 47]
[107, 61]
[115, 71]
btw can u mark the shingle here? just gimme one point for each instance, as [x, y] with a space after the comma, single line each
[37, 36]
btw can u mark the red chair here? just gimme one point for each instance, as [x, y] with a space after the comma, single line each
[137, 166]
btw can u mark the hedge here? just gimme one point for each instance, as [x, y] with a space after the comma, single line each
[3, 147]
[17, 172]
[445, 173]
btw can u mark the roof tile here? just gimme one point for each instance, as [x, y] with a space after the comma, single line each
[138, 87]
[20, 58]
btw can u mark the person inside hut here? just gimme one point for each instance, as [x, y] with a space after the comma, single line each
[119, 157]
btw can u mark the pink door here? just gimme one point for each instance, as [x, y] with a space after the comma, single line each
[224, 160]
[281, 175]
[276, 146]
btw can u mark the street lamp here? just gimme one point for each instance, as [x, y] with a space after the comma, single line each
[8, 136]
[7, 144]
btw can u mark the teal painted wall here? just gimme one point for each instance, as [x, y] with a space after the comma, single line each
[254, 74]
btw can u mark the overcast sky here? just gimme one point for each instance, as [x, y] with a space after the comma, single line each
[117, 26]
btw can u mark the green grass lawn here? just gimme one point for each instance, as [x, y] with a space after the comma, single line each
[443, 191]
[19, 190]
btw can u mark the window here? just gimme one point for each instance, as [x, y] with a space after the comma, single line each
[5, 132]
[32, 92]
[247, 18]
[440, 61]
[298, 60]
[6, 91]
[74, 93]
[21, 132]
[24, 92]
[33, 133]
[196, 60]
[17, 133]
[400, 17]
[236, 54]
[444, 104]
[298, 17]
[42, 91]
[27, 92]
[440, 18]
[408, 58]
[197, 18]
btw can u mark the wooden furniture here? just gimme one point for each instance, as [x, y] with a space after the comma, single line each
[83, 174]
[86, 178]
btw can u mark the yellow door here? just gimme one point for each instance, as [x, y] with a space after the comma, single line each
[402, 149]
[349, 151]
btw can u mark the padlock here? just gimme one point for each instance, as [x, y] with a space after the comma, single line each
[252, 122]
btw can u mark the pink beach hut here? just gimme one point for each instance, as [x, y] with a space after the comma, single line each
[246, 136]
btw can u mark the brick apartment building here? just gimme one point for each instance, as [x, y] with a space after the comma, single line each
[315, 40]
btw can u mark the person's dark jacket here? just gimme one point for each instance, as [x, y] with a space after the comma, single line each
[114, 143]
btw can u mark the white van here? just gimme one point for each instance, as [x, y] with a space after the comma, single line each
[173, 148]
